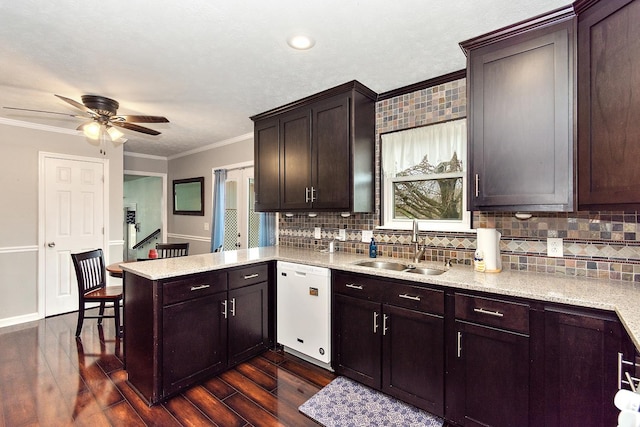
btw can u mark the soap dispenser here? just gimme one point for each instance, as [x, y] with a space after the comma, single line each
[373, 249]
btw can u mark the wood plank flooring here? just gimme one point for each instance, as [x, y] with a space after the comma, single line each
[48, 378]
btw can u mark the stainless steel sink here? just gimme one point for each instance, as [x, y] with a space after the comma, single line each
[425, 271]
[384, 265]
[396, 266]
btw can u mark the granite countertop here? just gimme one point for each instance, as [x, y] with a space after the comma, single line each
[618, 296]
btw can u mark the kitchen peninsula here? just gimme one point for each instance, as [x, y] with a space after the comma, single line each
[538, 310]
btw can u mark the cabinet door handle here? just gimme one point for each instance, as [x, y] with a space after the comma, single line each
[306, 195]
[477, 185]
[405, 296]
[384, 324]
[197, 288]
[488, 312]
[375, 322]
[459, 343]
[352, 286]
[224, 308]
[233, 307]
[313, 194]
[251, 276]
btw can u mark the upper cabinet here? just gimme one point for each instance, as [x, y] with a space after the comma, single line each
[317, 153]
[608, 104]
[520, 94]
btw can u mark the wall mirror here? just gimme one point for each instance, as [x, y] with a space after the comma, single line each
[188, 196]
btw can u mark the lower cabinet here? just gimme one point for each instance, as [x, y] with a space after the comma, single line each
[183, 330]
[488, 379]
[581, 367]
[390, 336]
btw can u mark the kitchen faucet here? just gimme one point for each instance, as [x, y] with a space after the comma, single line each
[417, 252]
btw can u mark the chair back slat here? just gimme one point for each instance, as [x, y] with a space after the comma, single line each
[172, 250]
[90, 270]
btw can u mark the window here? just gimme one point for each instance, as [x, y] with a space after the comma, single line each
[424, 177]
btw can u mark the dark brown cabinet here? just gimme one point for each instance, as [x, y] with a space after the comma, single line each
[390, 336]
[581, 355]
[520, 90]
[608, 104]
[488, 378]
[324, 146]
[182, 330]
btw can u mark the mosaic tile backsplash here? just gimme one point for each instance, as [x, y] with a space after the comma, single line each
[595, 244]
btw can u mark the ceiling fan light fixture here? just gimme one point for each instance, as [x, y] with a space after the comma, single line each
[301, 42]
[92, 130]
[114, 133]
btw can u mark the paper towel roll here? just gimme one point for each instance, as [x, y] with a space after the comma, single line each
[489, 243]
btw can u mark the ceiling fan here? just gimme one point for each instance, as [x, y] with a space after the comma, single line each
[102, 113]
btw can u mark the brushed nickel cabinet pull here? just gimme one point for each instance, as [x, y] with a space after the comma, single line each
[375, 322]
[384, 324]
[459, 343]
[306, 195]
[490, 313]
[405, 296]
[197, 288]
[251, 276]
[352, 286]
[233, 307]
[224, 308]
[477, 185]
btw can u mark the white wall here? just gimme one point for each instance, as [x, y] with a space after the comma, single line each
[19, 251]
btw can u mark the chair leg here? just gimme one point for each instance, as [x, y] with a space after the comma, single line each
[116, 313]
[101, 313]
[80, 320]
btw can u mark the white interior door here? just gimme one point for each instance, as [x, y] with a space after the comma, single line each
[74, 222]
[241, 221]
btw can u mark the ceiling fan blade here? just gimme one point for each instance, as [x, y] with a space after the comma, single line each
[48, 112]
[136, 128]
[140, 119]
[79, 106]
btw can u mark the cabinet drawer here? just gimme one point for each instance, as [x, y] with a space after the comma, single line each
[502, 314]
[193, 287]
[358, 286]
[248, 275]
[415, 298]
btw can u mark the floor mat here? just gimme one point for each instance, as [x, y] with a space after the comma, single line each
[346, 403]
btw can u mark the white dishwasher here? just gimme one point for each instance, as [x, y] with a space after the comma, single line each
[304, 311]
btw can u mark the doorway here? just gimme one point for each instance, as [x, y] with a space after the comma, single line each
[145, 212]
[241, 222]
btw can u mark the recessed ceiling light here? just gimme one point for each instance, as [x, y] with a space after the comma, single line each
[301, 42]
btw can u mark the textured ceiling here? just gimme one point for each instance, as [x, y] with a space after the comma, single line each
[209, 65]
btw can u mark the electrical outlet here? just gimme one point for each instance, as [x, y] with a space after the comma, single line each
[206, 226]
[317, 233]
[554, 247]
[342, 234]
[367, 235]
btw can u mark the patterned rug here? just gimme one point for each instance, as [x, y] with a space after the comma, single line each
[346, 403]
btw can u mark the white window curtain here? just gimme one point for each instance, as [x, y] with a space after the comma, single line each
[402, 150]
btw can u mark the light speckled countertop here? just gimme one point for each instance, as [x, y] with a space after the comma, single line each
[618, 296]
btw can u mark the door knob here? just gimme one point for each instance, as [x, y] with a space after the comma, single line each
[51, 244]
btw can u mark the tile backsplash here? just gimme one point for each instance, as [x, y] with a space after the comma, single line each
[595, 244]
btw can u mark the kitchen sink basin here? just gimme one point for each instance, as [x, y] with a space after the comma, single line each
[384, 265]
[425, 271]
[396, 266]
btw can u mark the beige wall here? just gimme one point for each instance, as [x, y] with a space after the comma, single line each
[19, 171]
[189, 228]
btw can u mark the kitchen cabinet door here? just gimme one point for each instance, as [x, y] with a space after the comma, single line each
[521, 120]
[295, 160]
[267, 170]
[356, 339]
[331, 155]
[581, 353]
[247, 313]
[413, 357]
[491, 377]
[608, 105]
[194, 341]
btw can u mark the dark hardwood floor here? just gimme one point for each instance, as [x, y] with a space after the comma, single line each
[48, 378]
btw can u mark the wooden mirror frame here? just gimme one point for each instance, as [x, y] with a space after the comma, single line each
[188, 204]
